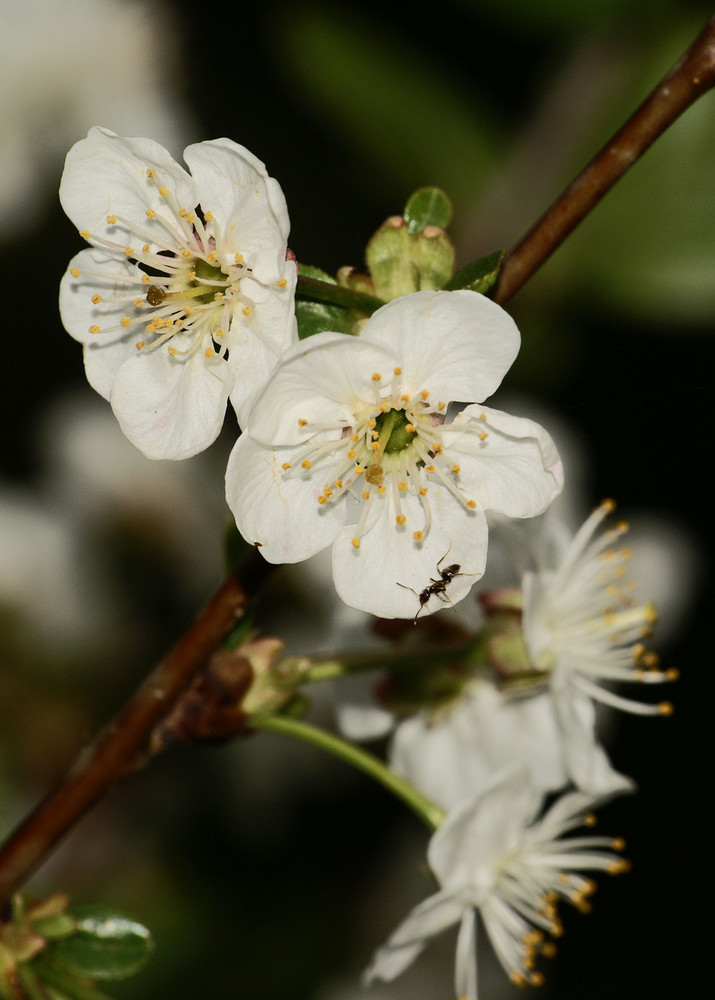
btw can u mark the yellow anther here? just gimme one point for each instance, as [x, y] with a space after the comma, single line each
[618, 844]
[424, 394]
[209, 352]
[208, 217]
[352, 454]
[306, 464]
[441, 406]
[163, 191]
[590, 819]
[456, 469]
[94, 328]
[376, 377]
[146, 279]
[381, 489]
[437, 450]
[186, 253]
[338, 484]
[619, 867]
[665, 708]
[125, 321]
[356, 543]
[672, 674]
[359, 469]
[286, 466]
[302, 422]
[151, 172]
[365, 494]
[246, 310]
[410, 428]
[173, 352]
[322, 499]
[471, 504]
[96, 299]
[238, 257]
[418, 535]
[549, 949]
[84, 233]
[375, 445]
[404, 398]
[282, 283]
[354, 437]
[74, 272]
[146, 248]
[128, 252]
[402, 486]
[138, 303]
[423, 491]
[150, 213]
[536, 979]
[397, 371]
[483, 436]
[370, 424]
[139, 344]
[328, 492]
[400, 519]
[112, 220]
[430, 468]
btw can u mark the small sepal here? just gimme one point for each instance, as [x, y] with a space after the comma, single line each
[479, 275]
[428, 206]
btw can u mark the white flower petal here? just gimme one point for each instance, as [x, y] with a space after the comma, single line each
[170, 409]
[458, 345]
[426, 920]
[280, 513]
[585, 759]
[106, 174]
[514, 470]
[454, 754]
[387, 573]
[247, 204]
[317, 380]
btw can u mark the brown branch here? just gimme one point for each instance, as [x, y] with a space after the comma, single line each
[692, 76]
[122, 745]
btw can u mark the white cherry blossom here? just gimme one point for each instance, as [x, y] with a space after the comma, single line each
[185, 300]
[584, 630]
[495, 861]
[354, 443]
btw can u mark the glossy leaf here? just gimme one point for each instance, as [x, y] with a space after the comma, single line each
[479, 275]
[315, 317]
[107, 945]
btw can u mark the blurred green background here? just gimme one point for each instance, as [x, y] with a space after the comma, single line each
[264, 871]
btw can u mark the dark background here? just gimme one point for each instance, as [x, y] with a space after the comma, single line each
[269, 873]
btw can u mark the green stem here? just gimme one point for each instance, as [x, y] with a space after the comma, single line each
[326, 291]
[412, 659]
[427, 811]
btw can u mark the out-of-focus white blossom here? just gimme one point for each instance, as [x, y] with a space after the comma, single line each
[66, 64]
[494, 860]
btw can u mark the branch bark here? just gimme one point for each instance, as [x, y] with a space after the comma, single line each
[691, 77]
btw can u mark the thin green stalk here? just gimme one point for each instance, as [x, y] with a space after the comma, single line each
[427, 811]
[326, 291]
[412, 659]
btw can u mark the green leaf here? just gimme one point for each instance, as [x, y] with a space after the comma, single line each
[316, 317]
[427, 207]
[63, 984]
[107, 945]
[479, 275]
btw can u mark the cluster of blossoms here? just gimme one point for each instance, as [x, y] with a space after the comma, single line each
[378, 443]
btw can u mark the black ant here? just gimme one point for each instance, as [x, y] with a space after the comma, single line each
[437, 588]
